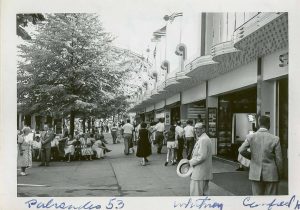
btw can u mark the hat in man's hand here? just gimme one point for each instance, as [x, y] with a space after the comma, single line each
[199, 125]
[184, 169]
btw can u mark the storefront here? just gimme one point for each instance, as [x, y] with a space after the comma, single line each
[173, 106]
[236, 119]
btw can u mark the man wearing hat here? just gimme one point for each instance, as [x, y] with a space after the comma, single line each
[201, 161]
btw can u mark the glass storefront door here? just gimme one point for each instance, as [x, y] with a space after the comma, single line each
[230, 105]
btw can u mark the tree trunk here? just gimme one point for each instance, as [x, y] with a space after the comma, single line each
[72, 123]
[83, 125]
[89, 124]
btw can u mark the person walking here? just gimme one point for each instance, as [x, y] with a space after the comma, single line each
[171, 145]
[143, 144]
[114, 130]
[25, 141]
[266, 159]
[189, 135]
[127, 135]
[179, 132]
[46, 137]
[201, 160]
[159, 135]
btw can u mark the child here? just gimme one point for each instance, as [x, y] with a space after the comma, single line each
[69, 148]
[86, 146]
[171, 145]
[36, 148]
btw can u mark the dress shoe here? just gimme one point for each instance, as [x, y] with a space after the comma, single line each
[166, 163]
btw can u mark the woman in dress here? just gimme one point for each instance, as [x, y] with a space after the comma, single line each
[25, 141]
[143, 144]
[69, 149]
[98, 148]
[86, 146]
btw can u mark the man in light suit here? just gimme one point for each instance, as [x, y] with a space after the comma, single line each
[46, 137]
[202, 162]
[266, 159]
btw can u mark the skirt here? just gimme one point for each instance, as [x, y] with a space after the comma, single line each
[70, 149]
[25, 160]
[86, 151]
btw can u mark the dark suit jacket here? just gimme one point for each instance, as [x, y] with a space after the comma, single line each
[47, 137]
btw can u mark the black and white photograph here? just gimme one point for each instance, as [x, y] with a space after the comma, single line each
[173, 101]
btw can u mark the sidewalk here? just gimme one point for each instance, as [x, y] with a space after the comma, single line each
[120, 175]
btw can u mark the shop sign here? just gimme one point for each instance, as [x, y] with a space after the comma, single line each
[167, 118]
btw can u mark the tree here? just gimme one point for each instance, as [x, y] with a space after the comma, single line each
[23, 20]
[70, 67]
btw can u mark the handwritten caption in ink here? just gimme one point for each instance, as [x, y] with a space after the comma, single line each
[199, 203]
[113, 203]
[289, 203]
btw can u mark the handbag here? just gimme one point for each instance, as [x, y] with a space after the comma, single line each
[20, 139]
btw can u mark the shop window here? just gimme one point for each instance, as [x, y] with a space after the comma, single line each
[229, 106]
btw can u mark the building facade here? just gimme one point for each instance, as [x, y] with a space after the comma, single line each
[224, 69]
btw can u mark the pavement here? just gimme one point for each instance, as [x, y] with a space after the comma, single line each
[120, 175]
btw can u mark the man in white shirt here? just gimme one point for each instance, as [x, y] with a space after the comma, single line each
[127, 135]
[159, 135]
[179, 132]
[189, 135]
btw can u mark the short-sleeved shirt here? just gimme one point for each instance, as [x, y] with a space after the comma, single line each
[128, 128]
[189, 131]
[179, 131]
[160, 127]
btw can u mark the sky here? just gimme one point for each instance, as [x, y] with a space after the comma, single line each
[134, 26]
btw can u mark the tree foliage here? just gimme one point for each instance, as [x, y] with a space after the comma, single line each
[71, 68]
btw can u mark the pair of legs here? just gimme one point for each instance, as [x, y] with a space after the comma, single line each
[127, 143]
[264, 188]
[114, 136]
[180, 149]
[45, 156]
[23, 170]
[170, 156]
[199, 187]
[159, 141]
[144, 161]
[189, 147]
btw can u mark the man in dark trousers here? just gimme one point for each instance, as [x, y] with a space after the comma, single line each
[266, 159]
[46, 137]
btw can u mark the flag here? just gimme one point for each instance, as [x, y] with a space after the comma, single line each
[154, 52]
[175, 15]
[160, 32]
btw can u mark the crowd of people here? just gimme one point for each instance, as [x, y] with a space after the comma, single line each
[261, 148]
[45, 146]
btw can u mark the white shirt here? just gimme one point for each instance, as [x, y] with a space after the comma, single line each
[179, 131]
[189, 131]
[128, 128]
[160, 127]
[36, 145]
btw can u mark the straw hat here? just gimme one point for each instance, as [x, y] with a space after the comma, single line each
[184, 169]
